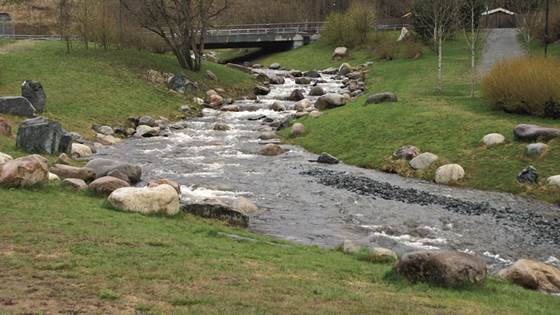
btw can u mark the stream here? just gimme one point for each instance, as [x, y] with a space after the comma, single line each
[323, 205]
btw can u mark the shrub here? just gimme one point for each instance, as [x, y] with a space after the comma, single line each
[537, 30]
[526, 85]
[412, 49]
[384, 46]
[350, 28]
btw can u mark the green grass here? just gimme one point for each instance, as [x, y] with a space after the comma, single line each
[537, 49]
[81, 255]
[450, 125]
[94, 86]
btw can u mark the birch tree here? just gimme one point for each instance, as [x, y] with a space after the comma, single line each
[471, 11]
[182, 24]
[439, 17]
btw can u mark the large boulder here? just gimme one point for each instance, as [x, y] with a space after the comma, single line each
[340, 52]
[235, 212]
[40, 135]
[525, 132]
[103, 167]
[533, 275]
[5, 127]
[34, 93]
[17, 106]
[449, 174]
[107, 185]
[443, 268]
[24, 172]
[271, 150]
[382, 98]
[162, 199]
[66, 171]
[423, 161]
[493, 139]
[331, 100]
[296, 95]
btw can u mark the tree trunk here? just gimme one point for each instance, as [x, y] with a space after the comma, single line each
[440, 62]
[473, 53]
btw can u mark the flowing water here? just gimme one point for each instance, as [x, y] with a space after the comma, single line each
[323, 205]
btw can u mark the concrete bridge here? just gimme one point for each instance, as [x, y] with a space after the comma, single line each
[291, 35]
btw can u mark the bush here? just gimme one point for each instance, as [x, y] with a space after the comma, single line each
[537, 31]
[350, 28]
[384, 46]
[412, 49]
[526, 85]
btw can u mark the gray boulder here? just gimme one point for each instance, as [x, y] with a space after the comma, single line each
[235, 212]
[317, 91]
[277, 80]
[525, 132]
[312, 74]
[261, 90]
[303, 81]
[536, 149]
[296, 95]
[179, 83]
[148, 121]
[529, 175]
[40, 135]
[382, 98]
[423, 161]
[407, 152]
[34, 93]
[329, 101]
[443, 268]
[16, 105]
[104, 167]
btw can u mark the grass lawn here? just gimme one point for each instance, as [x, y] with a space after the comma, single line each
[94, 86]
[80, 256]
[450, 125]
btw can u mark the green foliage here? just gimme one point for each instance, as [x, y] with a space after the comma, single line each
[350, 28]
[526, 86]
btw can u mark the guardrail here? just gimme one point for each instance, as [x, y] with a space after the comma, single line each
[37, 37]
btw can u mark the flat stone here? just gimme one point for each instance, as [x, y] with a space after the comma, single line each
[67, 171]
[104, 167]
[271, 150]
[107, 140]
[17, 106]
[526, 132]
[423, 161]
[162, 199]
[382, 98]
[107, 185]
[219, 210]
[147, 131]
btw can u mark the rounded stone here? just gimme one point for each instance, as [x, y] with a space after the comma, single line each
[449, 173]
[536, 149]
[493, 139]
[298, 129]
[423, 161]
[554, 181]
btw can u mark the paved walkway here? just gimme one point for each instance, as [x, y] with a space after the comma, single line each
[500, 44]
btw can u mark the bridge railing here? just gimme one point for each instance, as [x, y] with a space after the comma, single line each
[262, 29]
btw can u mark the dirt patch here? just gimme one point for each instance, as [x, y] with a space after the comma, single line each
[16, 46]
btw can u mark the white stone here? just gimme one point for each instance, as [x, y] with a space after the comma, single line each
[554, 181]
[146, 131]
[162, 199]
[493, 139]
[423, 161]
[53, 177]
[81, 150]
[315, 114]
[449, 173]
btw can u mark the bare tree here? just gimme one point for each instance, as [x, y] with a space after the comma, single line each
[530, 17]
[183, 24]
[471, 11]
[65, 21]
[438, 16]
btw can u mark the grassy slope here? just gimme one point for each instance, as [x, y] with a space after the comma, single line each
[67, 252]
[90, 86]
[450, 125]
[82, 256]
